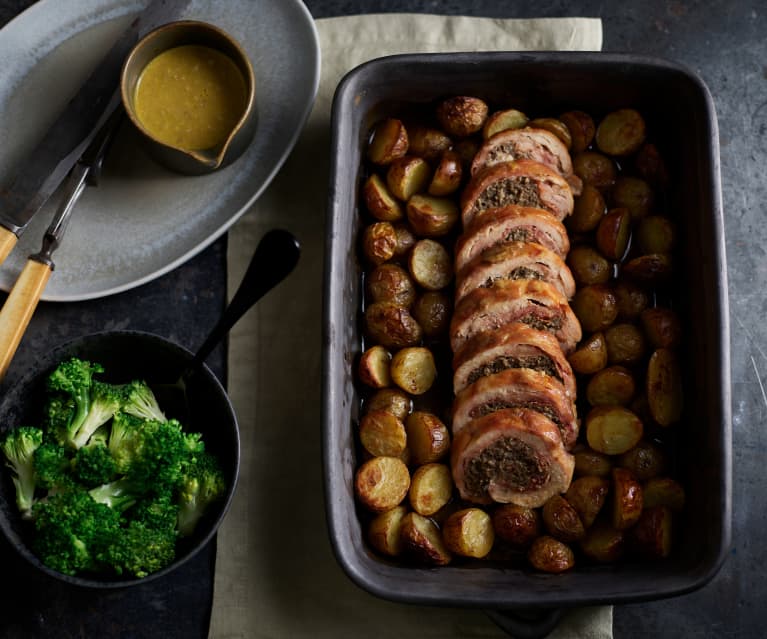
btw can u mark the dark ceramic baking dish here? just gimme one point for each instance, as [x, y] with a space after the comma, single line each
[679, 111]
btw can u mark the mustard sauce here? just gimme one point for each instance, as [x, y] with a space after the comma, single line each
[190, 97]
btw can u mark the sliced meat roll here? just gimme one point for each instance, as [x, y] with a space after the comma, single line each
[523, 182]
[515, 345]
[511, 456]
[528, 143]
[515, 261]
[532, 302]
[512, 223]
[518, 388]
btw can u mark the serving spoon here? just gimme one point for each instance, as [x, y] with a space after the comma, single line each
[275, 257]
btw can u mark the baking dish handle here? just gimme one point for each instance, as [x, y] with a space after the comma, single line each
[526, 624]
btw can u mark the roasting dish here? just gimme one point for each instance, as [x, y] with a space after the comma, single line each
[679, 108]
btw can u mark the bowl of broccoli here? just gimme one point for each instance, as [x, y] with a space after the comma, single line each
[100, 485]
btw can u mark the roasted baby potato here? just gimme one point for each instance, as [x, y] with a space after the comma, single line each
[373, 369]
[413, 369]
[428, 437]
[427, 142]
[431, 488]
[595, 168]
[652, 535]
[588, 266]
[382, 483]
[382, 434]
[634, 194]
[432, 311]
[588, 210]
[645, 460]
[587, 495]
[595, 307]
[550, 555]
[422, 540]
[603, 543]
[391, 325]
[405, 240]
[626, 499]
[394, 400]
[631, 298]
[447, 175]
[502, 121]
[621, 132]
[469, 532]
[431, 216]
[664, 387]
[561, 520]
[590, 356]
[651, 270]
[516, 525]
[613, 233]
[655, 234]
[582, 129]
[613, 430]
[662, 327]
[663, 491]
[379, 201]
[407, 176]
[379, 241]
[430, 265]
[612, 386]
[557, 127]
[625, 344]
[389, 141]
[390, 283]
[460, 116]
[385, 531]
[590, 462]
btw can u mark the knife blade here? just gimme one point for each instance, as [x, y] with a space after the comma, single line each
[43, 170]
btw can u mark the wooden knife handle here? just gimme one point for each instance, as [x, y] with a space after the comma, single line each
[18, 309]
[7, 242]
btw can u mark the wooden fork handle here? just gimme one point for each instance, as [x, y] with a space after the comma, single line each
[7, 242]
[19, 307]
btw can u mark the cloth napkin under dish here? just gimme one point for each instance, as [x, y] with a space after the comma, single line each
[276, 576]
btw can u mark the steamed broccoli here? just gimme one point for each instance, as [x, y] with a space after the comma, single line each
[157, 512]
[73, 379]
[19, 448]
[202, 484]
[141, 402]
[162, 452]
[140, 550]
[124, 439]
[119, 494]
[92, 464]
[105, 401]
[52, 466]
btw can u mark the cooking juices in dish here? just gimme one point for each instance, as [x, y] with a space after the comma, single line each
[191, 97]
[520, 368]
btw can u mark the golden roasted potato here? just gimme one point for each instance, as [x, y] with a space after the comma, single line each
[613, 430]
[431, 216]
[430, 265]
[502, 121]
[625, 343]
[613, 233]
[612, 386]
[588, 266]
[662, 327]
[603, 543]
[634, 194]
[595, 307]
[447, 175]
[645, 460]
[664, 387]
[391, 325]
[655, 234]
[663, 491]
[590, 356]
[550, 555]
[379, 201]
[405, 240]
[379, 241]
[595, 169]
[422, 540]
[385, 531]
[389, 141]
[428, 437]
[460, 116]
[390, 283]
[651, 269]
[588, 210]
[427, 142]
[557, 127]
[430, 488]
[652, 534]
[516, 525]
[587, 495]
[395, 400]
[626, 499]
[373, 368]
[590, 462]
[413, 369]
[431, 310]
[621, 132]
[631, 299]
[582, 128]
[382, 434]
[407, 176]
[469, 532]
[382, 483]
[561, 520]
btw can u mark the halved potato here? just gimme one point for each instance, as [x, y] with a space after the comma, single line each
[613, 430]
[389, 141]
[382, 483]
[423, 540]
[379, 201]
[652, 534]
[587, 495]
[645, 460]
[612, 386]
[469, 533]
[431, 216]
[413, 369]
[428, 437]
[394, 400]
[582, 128]
[590, 356]
[502, 121]
[516, 525]
[562, 520]
[407, 176]
[603, 543]
[447, 175]
[627, 499]
[550, 555]
[427, 142]
[374, 367]
[664, 387]
[589, 462]
[430, 265]
[663, 491]
[430, 488]
[621, 132]
[385, 531]
[382, 434]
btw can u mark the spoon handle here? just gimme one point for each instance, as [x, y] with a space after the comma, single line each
[276, 255]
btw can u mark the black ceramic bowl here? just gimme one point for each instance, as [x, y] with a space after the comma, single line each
[125, 356]
[680, 113]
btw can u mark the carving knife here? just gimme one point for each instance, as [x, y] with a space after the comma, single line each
[49, 163]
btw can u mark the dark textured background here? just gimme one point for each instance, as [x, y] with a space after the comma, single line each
[726, 43]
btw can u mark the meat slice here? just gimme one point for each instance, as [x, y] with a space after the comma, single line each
[523, 182]
[532, 302]
[515, 345]
[528, 143]
[513, 456]
[518, 388]
[515, 261]
[512, 223]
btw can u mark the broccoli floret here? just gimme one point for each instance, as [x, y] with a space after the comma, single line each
[51, 465]
[72, 378]
[141, 402]
[124, 439]
[105, 401]
[203, 484]
[57, 416]
[19, 448]
[159, 512]
[92, 464]
[118, 495]
[162, 452]
[72, 531]
[140, 550]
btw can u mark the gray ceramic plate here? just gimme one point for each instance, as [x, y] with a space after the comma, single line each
[142, 220]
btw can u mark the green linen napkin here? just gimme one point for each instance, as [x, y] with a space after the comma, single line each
[276, 575]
